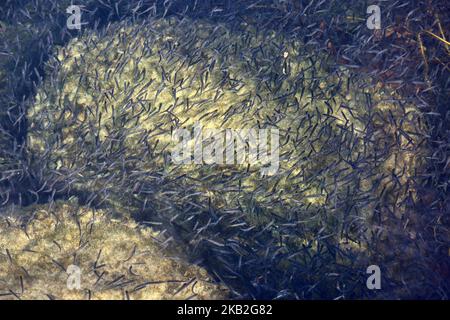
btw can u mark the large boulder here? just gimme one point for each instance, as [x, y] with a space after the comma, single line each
[121, 95]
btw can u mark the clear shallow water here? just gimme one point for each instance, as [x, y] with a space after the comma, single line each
[308, 237]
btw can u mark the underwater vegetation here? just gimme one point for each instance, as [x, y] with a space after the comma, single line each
[363, 149]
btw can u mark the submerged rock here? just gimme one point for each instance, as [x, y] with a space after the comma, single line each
[119, 96]
[43, 247]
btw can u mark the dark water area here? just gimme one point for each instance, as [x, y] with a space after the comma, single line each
[362, 112]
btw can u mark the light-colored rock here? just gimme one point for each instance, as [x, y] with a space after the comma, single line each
[118, 259]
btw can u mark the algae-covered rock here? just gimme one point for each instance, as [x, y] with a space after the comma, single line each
[120, 95]
[42, 247]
